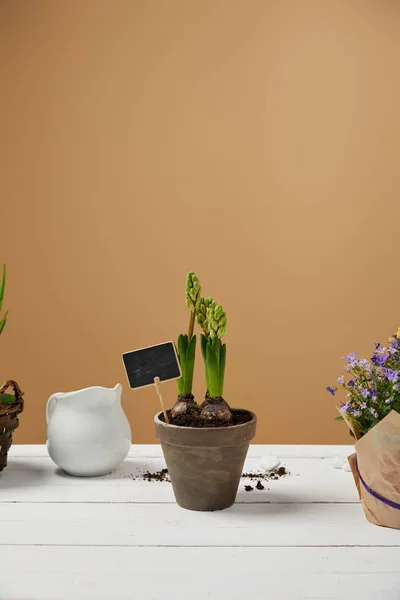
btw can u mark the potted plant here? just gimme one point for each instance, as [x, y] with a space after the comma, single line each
[10, 404]
[372, 413]
[204, 445]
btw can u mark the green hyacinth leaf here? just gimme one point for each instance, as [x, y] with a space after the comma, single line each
[203, 344]
[222, 363]
[216, 346]
[212, 372]
[182, 349]
[190, 358]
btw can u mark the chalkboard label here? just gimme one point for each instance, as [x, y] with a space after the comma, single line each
[144, 365]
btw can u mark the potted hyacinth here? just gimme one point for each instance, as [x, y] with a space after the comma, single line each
[371, 409]
[204, 444]
[10, 404]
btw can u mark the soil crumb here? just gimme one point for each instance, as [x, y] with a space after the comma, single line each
[157, 476]
[191, 418]
[248, 488]
[259, 485]
[266, 475]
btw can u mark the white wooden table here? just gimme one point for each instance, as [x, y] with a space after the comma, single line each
[116, 538]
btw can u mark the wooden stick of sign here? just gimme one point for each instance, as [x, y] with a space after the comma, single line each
[157, 383]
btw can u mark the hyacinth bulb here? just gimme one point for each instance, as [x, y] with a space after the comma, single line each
[182, 404]
[216, 409]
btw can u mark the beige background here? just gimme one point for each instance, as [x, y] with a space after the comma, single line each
[253, 141]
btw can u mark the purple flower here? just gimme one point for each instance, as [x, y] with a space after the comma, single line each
[364, 363]
[389, 400]
[379, 358]
[351, 383]
[365, 393]
[331, 390]
[377, 345]
[391, 375]
[394, 342]
[373, 412]
[356, 413]
[350, 357]
[392, 351]
[346, 407]
[363, 405]
[341, 380]
[396, 387]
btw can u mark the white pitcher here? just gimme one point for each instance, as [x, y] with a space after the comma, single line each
[88, 433]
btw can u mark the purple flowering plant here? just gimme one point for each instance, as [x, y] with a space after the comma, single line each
[373, 387]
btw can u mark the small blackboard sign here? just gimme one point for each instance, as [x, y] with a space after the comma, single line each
[144, 366]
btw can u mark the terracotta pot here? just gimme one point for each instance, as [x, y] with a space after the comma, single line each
[205, 464]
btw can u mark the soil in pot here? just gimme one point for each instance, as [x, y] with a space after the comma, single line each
[191, 418]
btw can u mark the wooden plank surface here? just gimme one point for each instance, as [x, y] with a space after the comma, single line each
[101, 573]
[118, 537]
[37, 479]
[169, 525]
[255, 450]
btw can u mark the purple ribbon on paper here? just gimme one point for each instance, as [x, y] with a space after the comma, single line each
[374, 494]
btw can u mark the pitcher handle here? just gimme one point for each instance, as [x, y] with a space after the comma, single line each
[50, 406]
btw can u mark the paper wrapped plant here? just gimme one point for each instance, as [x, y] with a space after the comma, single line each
[372, 413]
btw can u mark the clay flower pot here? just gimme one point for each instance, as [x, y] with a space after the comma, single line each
[205, 464]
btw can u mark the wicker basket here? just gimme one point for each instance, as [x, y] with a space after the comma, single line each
[9, 420]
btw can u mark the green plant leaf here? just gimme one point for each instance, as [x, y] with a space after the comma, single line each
[216, 346]
[212, 373]
[182, 349]
[7, 398]
[203, 344]
[3, 321]
[189, 370]
[339, 418]
[222, 363]
[2, 285]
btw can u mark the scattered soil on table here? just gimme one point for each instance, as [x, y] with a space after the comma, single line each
[157, 476]
[265, 476]
[163, 475]
[191, 418]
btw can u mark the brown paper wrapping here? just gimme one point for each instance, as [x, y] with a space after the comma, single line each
[378, 455]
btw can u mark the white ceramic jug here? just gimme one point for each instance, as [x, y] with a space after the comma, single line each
[88, 433]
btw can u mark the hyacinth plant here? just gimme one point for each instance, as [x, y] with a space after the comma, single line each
[212, 319]
[187, 348]
[372, 386]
